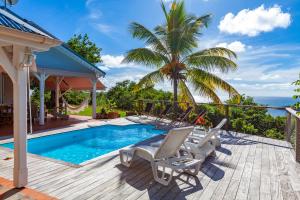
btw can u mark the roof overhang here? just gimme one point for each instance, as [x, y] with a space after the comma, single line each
[60, 61]
[36, 42]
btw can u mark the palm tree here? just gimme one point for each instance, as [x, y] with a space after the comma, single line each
[170, 50]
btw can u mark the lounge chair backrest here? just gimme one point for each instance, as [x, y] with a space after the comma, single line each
[212, 132]
[221, 124]
[186, 112]
[167, 109]
[148, 107]
[172, 142]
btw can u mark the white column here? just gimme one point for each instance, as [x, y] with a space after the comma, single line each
[20, 128]
[94, 100]
[42, 80]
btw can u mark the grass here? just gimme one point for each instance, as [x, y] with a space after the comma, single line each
[88, 112]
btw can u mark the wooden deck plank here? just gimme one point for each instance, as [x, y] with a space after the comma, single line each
[253, 192]
[236, 178]
[242, 192]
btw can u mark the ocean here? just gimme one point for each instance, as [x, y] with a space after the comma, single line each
[275, 101]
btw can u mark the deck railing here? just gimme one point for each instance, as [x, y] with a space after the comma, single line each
[293, 130]
[292, 124]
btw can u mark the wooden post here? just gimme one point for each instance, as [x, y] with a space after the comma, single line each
[227, 117]
[297, 144]
[57, 93]
[288, 127]
[94, 98]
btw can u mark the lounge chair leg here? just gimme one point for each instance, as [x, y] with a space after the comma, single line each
[163, 179]
[125, 158]
[193, 171]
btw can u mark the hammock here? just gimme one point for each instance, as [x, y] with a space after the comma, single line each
[76, 109]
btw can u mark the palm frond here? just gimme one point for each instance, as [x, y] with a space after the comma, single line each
[203, 89]
[145, 56]
[212, 80]
[211, 62]
[216, 51]
[139, 31]
[150, 79]
[185, 94]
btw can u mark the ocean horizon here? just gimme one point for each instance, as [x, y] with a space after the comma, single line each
[276, 102]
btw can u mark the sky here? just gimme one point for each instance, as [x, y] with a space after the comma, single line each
[264, 34]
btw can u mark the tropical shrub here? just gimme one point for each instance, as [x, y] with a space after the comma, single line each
[248, 120]
[297, 95]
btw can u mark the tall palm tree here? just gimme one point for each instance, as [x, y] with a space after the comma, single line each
[170, 50]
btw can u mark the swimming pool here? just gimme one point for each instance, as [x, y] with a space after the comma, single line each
[82, 145]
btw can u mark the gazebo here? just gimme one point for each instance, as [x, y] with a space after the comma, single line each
[28, 50]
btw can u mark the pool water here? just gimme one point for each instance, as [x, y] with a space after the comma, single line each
[82, 145]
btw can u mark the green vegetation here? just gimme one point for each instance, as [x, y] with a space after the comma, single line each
[74, 97]
[251, 120]
[171, 51]
[297, 95]
[122, 97]
[86, 48]
[88, 111]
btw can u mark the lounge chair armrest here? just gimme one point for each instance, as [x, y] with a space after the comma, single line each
[179, 163]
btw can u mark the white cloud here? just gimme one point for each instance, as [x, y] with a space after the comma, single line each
[113, 61]
[235, 46]
[253, 22]
[103, 28]
[110, 61]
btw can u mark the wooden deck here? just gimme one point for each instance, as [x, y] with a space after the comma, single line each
[246, 167]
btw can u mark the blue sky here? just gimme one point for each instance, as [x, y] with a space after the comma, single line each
[265, 34]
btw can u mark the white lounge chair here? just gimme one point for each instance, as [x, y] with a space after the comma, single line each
[215, 138]
[164, 156]
[204, 145]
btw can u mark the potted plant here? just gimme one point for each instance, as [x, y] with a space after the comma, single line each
[112, 114]
[102, 114]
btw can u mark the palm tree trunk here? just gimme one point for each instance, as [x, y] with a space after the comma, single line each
[175, 98]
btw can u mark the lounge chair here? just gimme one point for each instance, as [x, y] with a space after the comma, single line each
[204, 145]
[215, 139]
[164, 156]
[164, 113]
[182, 117]
[147, 110]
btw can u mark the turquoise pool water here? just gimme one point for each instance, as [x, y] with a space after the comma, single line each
[82, 145]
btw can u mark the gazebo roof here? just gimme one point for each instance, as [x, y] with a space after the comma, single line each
[60, 60]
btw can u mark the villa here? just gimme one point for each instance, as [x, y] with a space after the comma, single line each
[82, 161]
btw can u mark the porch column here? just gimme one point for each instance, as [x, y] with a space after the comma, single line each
[20, 128]
[42, 78]
[94, 100]
[57, 93]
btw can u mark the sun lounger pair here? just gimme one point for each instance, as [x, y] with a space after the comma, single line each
[165, 156]
[166, 153]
